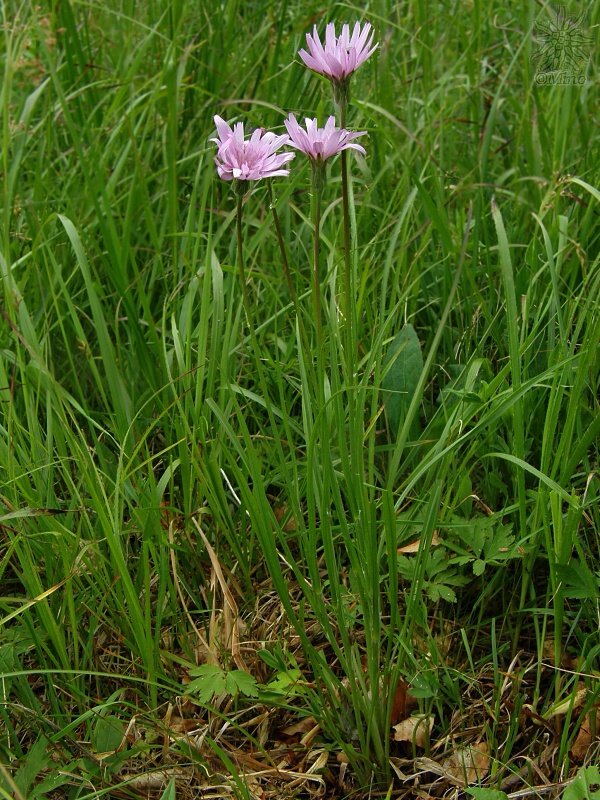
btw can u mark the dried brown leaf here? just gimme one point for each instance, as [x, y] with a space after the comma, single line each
[583, 740]
[231, 621]
[307, 739]
[280, 512]
[158, 779]
[416, 729]
[183, 724]
[304, 726]
[404, 703]
[468, 765]
[414, 546]
[548, 653]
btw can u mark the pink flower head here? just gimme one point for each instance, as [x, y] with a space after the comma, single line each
[252, 159]
[319, 144]
[340, 56]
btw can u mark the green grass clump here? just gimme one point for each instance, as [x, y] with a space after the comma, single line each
[183, 501]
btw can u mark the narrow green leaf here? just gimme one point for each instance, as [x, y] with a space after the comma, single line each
[119, 394]
[170, 793]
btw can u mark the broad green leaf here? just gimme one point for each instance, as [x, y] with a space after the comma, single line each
[501, 544]
[108, 734]
[286, 683]
[586, 785]
[480, 793]
[474, 533]
[205, 671]
[420, 687]
[577, 581]
[401, 379]
[51, 783]
[269, 659]
[34, 761]
[437, 590]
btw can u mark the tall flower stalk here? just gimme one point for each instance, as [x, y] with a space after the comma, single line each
[282, 250]
[337, 60]
[241, 160]
[286, 268]
[319, 144]
[317, 190]
[240, 260]
[349, 287]
[288, 275]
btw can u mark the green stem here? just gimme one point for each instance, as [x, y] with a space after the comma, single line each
[355, 428]
[288, 275]
[284, 259]
[240, 249]
[317, 290]
[351, 346]
[256, 351]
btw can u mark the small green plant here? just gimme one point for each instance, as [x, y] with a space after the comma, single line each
[210, 680]
[585, 786]
[288, 680]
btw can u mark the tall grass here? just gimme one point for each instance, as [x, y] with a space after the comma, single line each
[135, 406]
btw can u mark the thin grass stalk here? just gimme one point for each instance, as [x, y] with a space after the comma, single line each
[239, 191]
[241, 270]
[350, 329]
[284, 258]
[351, 345]
[288, 274]
[515, 371]
[317, 191]
[397, 452]
[105, 215]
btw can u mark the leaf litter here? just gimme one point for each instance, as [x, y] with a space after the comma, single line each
[245, 715]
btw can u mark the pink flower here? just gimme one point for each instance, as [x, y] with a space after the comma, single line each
[340, 56]
[249, 160]
[319, 144]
